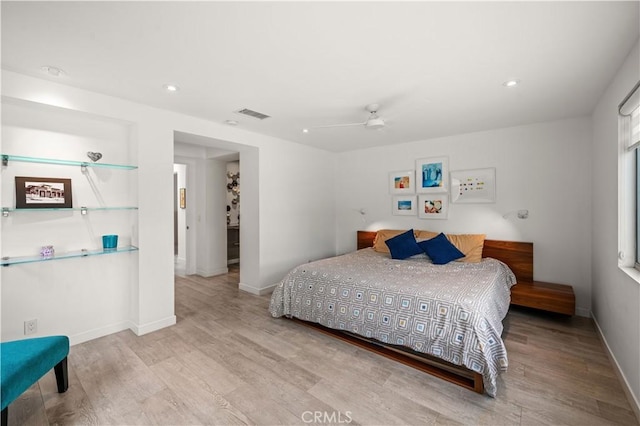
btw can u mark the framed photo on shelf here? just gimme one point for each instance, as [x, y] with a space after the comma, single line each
[404, 205]
[432, 174]
[473, 186]
[402, 182]
[43, 193]
[433, 206]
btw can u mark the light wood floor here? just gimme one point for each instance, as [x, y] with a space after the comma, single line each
[227, 361]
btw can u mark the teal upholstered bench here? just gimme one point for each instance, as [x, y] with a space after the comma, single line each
[24, 362]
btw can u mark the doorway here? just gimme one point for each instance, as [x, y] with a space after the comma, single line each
[206, 160]
[180, 225]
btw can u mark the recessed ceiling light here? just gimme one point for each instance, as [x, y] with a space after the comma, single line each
[171, 88]
[305, 130]
[231, 122]
[54, 71]
[511, 83]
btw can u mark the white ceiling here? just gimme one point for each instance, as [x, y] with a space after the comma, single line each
[436, 68]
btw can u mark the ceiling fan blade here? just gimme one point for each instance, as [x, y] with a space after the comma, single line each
[339, 125]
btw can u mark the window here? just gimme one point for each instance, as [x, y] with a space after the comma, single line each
[629, 180]
[635, 146]
[638, 204]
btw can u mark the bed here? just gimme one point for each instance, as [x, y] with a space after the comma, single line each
[443, 319]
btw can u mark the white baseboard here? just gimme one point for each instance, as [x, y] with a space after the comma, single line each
[85, 336]
[633, 399]
[255, 290]
[206, 273]
[139, 330]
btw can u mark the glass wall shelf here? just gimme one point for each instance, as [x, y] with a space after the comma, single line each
[6, 158]
[8, 261]
[82, 210]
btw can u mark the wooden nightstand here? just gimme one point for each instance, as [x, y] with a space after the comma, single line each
[550, 297]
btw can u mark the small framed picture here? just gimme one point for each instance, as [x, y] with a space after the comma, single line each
[404, 205]
[43, 193]
[432, 174]
[433, 206]
[183, 198]
[402, 182]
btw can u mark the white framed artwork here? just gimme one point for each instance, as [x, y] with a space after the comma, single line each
[402, 182]
[473, 186]
[404, 205]
[433, 206]
[432, 174]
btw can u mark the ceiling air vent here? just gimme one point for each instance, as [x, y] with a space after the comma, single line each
[251, 113]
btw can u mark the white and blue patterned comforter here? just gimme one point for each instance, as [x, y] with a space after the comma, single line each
[453, 312]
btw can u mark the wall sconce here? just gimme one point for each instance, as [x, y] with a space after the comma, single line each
[363, 213]
[520, 214]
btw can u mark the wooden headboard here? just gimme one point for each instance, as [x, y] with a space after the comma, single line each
[517, 255]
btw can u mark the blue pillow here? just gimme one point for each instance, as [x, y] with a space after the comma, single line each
[403, 246]
[440, 249]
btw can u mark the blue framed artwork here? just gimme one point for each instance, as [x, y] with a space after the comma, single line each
[432, 174]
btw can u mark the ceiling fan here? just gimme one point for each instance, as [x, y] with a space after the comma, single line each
[374, 122]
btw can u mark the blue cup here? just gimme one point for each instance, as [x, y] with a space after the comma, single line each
[109, 242]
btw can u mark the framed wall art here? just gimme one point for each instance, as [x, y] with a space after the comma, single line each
[404, 205]
[43, 193]
[183, 198]
[433, 206]
[432, 174]
[402, 182]
[473, 186]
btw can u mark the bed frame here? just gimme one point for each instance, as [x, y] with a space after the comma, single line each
[517, 255]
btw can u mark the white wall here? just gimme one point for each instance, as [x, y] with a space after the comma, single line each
[212, 225]
[287, 205]
[298, 197]
[616, 296]
[544, 168]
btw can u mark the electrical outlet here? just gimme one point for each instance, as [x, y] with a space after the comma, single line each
[30, 327]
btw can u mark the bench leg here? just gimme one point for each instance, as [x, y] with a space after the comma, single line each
[62, 375]
[5, 416]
